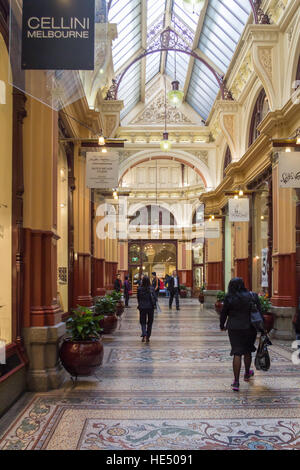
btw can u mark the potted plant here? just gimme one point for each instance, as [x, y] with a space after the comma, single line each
[117, 296]
[82, 351]
[266, 313]
[201, 294]
[220, 301]
[106, 306]
[183, 291]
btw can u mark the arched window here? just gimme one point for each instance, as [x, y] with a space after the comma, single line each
[260, 111]
[227, 160]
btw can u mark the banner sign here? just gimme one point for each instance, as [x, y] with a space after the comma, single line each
[212, 229]
[102, 170]
[264, 268]
[289, 170]
[58, 35]
[239, 210]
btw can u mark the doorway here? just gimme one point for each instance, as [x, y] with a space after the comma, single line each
[145, 257]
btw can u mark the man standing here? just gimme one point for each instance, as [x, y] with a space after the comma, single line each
[174, 285]
[118, 283]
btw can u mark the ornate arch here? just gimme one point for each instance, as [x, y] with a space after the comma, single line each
[178, 156]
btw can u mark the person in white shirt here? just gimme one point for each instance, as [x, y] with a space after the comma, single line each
[174, 285]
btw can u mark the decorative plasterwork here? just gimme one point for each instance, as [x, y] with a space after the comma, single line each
[202, 155]
[276, 10]
[124, 154]
[242, 77]
[265, 57]
[154, 113]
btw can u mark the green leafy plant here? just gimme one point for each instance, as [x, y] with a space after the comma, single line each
[105, 305]
[183, 287]
[83, 325]
[265, 303]
[115, 295]
[202, 288]
[220, 296]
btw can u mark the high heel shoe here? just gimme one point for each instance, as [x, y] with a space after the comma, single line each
[147, 340]
[143, 339]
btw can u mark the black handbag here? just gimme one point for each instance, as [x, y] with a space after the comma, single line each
[262, 358]
[256, 318]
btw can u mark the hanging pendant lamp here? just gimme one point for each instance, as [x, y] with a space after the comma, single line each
[175, 96]
[194, 6]
[165, 144]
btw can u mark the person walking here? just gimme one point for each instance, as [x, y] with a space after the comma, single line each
[167, 279]
[127, 289]
[174, 285]
[118, 283]
[155, 285]
[146, 303]
[242, 334]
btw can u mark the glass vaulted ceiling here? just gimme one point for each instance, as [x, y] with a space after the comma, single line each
[215, 36]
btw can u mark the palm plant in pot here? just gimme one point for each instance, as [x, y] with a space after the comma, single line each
[120, 304]
[106, 306]
[82, 351]
[266, 313]
[220, 301]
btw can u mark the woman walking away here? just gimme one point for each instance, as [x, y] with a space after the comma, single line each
[242, 334]
[146, 303]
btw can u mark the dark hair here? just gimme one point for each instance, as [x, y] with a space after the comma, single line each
[236, 286]
[154, 274]
[146, 282]
[126, 278]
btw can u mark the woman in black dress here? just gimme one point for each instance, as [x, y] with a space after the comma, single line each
[242, 335]
[146, 303]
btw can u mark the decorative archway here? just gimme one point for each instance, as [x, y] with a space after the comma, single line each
[179, 156]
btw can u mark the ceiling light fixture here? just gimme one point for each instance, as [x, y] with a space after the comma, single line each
[101, 140]
[175, 96]
[194, 6]
[165, 144]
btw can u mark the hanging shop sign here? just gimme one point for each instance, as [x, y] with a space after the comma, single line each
[289, 170]
[264, 268]
[102, 170]
[239, 210]
[58, 35]
[212, 229]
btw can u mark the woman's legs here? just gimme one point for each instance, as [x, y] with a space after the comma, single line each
[247, 362]
[149, 323]
[143, 316]
[237, 360]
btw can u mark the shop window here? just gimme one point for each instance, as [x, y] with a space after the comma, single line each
[260, 239]
[260, 111]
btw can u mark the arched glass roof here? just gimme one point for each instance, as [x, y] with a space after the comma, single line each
[213, 34]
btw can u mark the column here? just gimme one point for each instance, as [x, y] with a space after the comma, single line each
[42, 315]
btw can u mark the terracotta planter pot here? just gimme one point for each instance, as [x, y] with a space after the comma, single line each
[109, 324]
[120, 308]
[81, 357]
[219, 307]
[201, 298]
[268, 321]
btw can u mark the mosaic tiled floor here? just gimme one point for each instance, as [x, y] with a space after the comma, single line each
[171, 394]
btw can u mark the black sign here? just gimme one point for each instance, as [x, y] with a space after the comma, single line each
[58, 34]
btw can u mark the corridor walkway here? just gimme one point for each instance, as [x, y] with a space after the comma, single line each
[171, 394]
